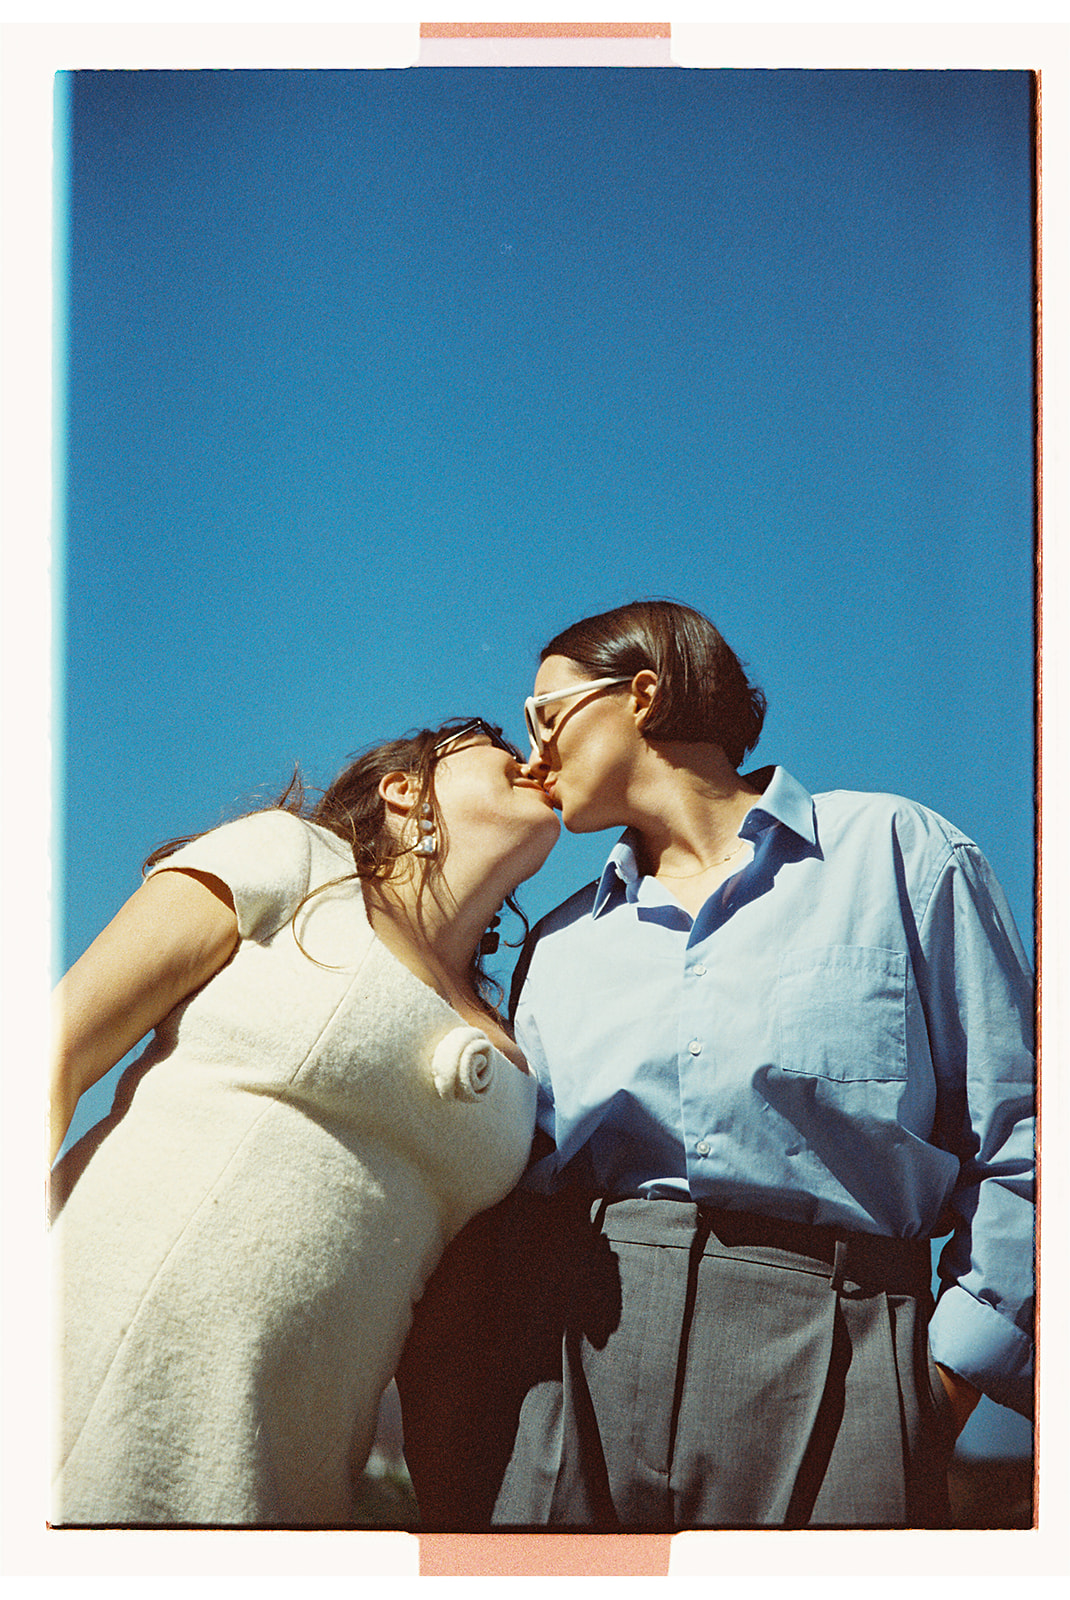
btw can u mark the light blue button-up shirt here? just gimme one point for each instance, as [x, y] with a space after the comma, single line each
[842, 1035]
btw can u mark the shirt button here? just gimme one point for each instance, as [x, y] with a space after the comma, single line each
[699, 970]
[695, 1047]
[703, 1148]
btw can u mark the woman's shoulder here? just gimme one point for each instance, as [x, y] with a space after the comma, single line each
[273, 829]
[877, 816]
[326, 836]
[269, 860]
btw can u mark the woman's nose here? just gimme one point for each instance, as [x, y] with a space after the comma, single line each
[536, 765]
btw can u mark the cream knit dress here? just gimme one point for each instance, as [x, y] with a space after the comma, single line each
[243, 1240]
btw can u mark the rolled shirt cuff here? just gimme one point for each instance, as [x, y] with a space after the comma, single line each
[984, 1347]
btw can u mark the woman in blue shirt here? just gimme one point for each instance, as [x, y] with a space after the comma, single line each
[781, 1043]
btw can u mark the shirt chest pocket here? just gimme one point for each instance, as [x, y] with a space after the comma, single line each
[843, 1013]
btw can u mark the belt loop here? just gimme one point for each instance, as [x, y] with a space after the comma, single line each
[839, 1265]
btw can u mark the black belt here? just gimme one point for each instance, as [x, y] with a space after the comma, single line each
[872, 1261]
[864, 1258]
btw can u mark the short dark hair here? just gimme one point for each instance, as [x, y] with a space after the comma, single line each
[703, 692]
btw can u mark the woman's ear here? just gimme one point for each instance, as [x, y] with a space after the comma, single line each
[399, 790]
[644, 688]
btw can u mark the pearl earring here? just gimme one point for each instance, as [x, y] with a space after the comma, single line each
[427, 844]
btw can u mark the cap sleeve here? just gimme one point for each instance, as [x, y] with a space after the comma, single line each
[264, 859]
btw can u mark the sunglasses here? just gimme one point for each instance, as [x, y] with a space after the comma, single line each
[477, 725]
[531, 706]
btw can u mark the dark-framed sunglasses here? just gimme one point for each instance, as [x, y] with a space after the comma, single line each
[477, 725]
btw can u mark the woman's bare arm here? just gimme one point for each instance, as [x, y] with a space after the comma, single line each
[170, 937]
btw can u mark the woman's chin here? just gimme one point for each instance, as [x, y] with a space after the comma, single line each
[581, 819]
[537, 849]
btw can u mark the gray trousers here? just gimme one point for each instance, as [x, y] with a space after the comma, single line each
[652, 1365]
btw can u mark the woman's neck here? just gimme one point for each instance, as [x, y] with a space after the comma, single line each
[687, 807]
[435, 923]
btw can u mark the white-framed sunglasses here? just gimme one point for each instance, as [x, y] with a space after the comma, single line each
[534, 701]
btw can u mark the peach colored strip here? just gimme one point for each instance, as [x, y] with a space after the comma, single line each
[551, 1555]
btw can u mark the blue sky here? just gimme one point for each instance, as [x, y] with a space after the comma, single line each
[374, 380]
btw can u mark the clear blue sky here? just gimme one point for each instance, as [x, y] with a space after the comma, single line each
[375, 380]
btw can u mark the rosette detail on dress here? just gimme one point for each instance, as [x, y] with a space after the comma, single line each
[462, 1065]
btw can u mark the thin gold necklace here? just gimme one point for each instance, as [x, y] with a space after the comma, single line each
[699, 870]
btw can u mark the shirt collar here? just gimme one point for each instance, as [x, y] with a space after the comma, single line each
[782, 800]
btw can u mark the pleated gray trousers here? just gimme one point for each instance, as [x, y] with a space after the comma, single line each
[639, 1365]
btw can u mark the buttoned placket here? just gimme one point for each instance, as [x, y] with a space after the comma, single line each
[698, 1052]
[699, 1046]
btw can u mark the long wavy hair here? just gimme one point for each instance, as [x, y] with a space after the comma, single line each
[354, 810]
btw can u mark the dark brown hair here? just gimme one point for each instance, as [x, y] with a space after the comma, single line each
[703, 693]
[353, 808]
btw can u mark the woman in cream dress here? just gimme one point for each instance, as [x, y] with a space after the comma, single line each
[327, 1098]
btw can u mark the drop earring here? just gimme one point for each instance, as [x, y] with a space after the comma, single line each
[427, 844]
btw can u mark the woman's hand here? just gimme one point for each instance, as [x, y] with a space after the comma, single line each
[170, 937]
[963, 1395]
